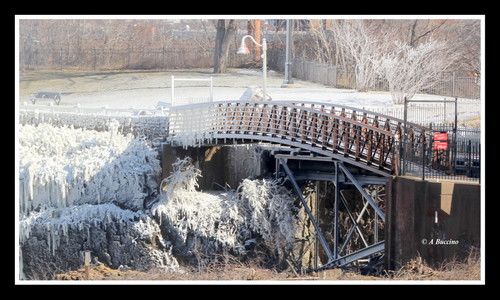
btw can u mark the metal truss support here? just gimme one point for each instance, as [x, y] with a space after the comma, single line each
[335, 255]
[355, 226]
[336, 213]
[358, 186]
[354, 256]
[296, 187]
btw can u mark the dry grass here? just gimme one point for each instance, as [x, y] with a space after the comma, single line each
[415, 270]
[215, 273]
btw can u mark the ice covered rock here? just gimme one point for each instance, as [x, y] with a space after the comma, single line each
[53, 240]
[83, 190]
[253, 93]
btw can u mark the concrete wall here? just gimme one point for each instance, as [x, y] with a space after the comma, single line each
[219, 165]
[437, 220]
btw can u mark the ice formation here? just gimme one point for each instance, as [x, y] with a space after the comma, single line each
[63, 166]
[54, 238]
[82, 189]
[208, 223]
[57, 221]
[77, 187]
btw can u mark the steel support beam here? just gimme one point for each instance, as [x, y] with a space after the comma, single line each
[355, 226]
[335, 258]
[379, 212]
[349, 258]
[336, 213]
[296, 187]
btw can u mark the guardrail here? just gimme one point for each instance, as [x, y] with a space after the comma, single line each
[368, 139]
[104, 110]
[172, 89]
[151, 123]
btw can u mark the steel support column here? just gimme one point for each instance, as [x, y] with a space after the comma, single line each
[296, 187]
[354, 256]
[336, 213]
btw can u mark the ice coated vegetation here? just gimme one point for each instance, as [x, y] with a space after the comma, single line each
[86, 190]
[63, 166]
[225, 222]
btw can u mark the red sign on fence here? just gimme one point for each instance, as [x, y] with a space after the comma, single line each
[440, 145]
[440, 136]
[440, 141]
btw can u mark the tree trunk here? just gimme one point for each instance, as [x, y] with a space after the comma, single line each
[222, 42]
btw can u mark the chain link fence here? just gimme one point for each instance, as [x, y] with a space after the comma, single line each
[185, 57]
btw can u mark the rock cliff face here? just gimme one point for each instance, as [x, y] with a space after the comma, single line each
[55, 239]
[83, 190]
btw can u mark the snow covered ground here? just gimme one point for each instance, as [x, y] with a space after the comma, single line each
[146, 89]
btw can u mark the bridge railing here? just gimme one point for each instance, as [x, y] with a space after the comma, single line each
[78, 109]
[357, 136]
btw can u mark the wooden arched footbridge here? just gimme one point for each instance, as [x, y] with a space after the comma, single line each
[358, 137]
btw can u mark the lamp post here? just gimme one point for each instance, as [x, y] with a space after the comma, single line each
[244, 50]
[288, 53]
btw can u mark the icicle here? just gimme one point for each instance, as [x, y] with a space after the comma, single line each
[56, 163]
[65, 229]
[54, 244]
[49, 235]
[30, 188]
[21, 267]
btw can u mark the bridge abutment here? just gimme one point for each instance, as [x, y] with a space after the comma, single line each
[438, 221]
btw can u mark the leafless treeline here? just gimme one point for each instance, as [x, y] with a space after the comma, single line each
[407, 56]
[153, 43]
[325, 42]
[105, 43]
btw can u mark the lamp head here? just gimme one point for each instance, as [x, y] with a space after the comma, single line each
[243, 49]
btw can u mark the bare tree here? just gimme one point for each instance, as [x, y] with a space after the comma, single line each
[30, 44]
[324, 45]
[410, 69]
[225, 32]
[415, 35]
[464, 37]
[365, 44]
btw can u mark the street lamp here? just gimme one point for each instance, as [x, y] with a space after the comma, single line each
[244, 50]
[288, 56]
